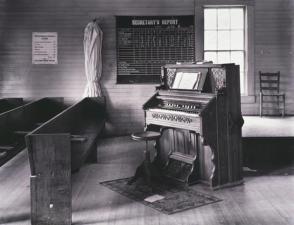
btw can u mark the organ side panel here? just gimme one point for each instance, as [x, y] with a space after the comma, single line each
[208, 155]
[235, 122]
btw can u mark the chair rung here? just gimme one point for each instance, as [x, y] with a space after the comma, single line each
[271, 107]
[273, 95]
[271, 102]
[269, 81]
[269, 74]
[269, 88]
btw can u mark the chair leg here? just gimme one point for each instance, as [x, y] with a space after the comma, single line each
[260, 104]
[284, 105]
[278, 104]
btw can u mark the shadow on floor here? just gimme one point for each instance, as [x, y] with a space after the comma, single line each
[270, 170]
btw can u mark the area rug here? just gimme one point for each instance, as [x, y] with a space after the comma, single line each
[176, 198]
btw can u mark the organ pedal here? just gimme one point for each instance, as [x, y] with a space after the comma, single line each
[179, 167]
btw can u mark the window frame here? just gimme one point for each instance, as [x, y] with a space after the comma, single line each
[249, 84]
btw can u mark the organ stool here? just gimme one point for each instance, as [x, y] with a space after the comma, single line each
[146, 170]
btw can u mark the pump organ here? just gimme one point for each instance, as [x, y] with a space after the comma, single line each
[197, 110]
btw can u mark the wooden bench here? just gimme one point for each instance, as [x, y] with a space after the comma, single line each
[16, 123]
[57, 148]
[7, 104]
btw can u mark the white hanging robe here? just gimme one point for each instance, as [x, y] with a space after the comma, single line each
[93, 59]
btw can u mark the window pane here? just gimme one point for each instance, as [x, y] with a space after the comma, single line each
[237, 18]
[210, 56]
[226, 43]
[210, 19]
[210, 39]
[223, 18]
[237, 40]
[223, 57]
[238, 58]
[223, 40]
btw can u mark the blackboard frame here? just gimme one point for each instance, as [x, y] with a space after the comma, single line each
[131, 74]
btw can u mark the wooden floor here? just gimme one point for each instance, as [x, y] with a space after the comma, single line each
[262, 200]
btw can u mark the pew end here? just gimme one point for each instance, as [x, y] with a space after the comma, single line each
[56, 149]
[51, 179]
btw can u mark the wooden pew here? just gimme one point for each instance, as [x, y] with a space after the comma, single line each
[16, 123]
[7, 104]
[57, 148]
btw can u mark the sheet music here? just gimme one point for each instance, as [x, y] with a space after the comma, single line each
[184, 80]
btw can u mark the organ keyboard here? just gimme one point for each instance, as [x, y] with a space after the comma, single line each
[197, 110]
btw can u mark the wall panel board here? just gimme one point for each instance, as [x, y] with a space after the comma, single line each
[274, 47]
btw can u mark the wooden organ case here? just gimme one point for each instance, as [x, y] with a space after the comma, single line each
[197, 109]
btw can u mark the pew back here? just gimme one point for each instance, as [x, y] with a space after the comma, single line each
[81, 116]
[16, 123]
[85, 119]
[27, 117]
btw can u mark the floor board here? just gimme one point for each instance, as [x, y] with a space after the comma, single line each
[262, 200]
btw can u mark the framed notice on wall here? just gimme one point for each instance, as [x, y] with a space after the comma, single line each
[145, 43]
[44, 48]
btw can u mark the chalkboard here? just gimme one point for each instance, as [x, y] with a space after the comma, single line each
[145, 43]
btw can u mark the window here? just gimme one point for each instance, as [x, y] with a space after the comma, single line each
[224, 37]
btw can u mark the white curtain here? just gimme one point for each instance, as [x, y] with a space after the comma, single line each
[93, 59]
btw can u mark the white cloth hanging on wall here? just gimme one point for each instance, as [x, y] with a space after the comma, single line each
[93, 59]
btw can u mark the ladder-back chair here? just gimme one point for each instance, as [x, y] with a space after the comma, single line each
[270, 96]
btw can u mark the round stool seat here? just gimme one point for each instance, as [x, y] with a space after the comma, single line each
[145, 136]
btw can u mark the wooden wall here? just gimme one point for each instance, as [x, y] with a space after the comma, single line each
[19, 78]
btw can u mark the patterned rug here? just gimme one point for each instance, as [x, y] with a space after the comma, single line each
[176, 198]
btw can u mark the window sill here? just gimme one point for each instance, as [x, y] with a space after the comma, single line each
[248, 99]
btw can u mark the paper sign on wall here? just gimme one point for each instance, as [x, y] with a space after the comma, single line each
[44, 48]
